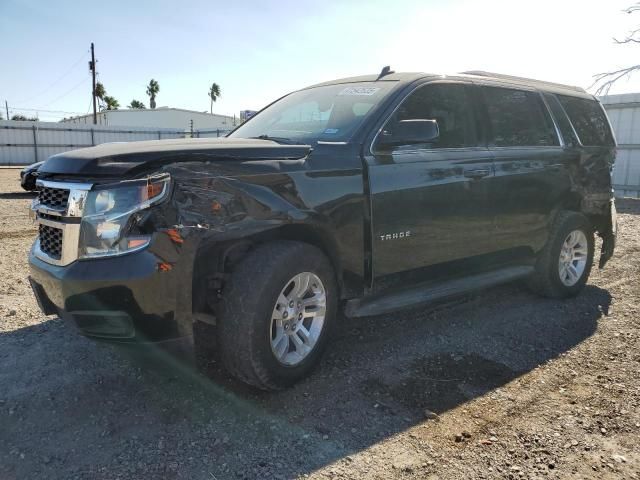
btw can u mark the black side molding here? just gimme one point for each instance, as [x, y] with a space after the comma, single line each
[421, 294]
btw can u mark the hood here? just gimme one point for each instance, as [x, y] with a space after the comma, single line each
[130, 158]
[33, 167]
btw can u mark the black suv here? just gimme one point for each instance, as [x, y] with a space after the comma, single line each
[368, 194]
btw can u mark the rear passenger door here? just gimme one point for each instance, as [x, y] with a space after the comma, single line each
[530, 167]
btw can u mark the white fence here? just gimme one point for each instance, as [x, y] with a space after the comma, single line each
[624, 114]
[23, 143]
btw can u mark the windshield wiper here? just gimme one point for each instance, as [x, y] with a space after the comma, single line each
[280, 140]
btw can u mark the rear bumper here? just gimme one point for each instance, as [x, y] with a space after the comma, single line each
[120, 299]
[609, 235]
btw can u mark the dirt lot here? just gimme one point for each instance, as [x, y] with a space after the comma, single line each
[501, 385]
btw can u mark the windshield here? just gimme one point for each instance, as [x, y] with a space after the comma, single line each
[329, 113]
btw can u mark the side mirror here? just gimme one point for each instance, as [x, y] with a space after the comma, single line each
[411, 132]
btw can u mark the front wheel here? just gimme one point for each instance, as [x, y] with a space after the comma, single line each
[564, 264]
[276, 314]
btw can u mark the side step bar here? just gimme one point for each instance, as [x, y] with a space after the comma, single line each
[421, 294]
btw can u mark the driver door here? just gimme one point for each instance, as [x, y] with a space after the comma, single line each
[430, 203]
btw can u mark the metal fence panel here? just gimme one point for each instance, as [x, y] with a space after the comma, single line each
[624, 115]
[216, 133]
[23, 143]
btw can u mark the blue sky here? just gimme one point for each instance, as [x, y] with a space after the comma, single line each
[258, 51]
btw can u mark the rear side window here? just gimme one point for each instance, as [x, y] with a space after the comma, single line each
[564, 125]
[589, 120]
[518, 118]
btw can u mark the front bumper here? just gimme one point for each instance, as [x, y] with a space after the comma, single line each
[126, 298]
[27, 181]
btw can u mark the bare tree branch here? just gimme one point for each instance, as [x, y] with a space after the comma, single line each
[632, 8]
[631, 37]
[607, 79]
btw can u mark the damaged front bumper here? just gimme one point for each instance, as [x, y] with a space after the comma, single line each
[123, 299]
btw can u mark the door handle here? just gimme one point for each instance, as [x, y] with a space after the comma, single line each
[477, 173]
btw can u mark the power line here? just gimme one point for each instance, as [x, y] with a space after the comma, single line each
[43, 110]
[68, 91]
[51, 85]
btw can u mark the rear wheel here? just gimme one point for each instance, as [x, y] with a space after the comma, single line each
[276, 314]
[564, 264]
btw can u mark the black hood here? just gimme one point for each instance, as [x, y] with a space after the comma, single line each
[130, 158]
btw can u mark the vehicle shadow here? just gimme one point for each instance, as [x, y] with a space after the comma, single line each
[628, 205]
[380, 376]
[16, 195]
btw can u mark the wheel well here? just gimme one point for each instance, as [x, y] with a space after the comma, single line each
[572, 201]
[214, 261]
[575, 202]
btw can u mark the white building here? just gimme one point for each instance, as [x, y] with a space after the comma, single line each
[162, 117]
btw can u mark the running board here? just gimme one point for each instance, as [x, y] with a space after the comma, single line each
[421, 294]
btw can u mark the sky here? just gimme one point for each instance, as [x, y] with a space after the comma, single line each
[258, 51]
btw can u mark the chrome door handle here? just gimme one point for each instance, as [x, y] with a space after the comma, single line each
[477, 173]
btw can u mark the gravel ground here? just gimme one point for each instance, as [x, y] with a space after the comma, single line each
[499, 385]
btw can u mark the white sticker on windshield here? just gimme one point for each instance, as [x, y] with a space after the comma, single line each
[366, 91]
[331, 131]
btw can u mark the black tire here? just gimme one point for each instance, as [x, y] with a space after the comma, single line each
[248, 300]
[546, 280]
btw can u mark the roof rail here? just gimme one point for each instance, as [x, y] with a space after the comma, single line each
[481, 73]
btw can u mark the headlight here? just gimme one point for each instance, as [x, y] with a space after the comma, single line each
[107, 215]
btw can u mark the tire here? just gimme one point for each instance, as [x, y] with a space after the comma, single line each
[550, 279]
[252, 316]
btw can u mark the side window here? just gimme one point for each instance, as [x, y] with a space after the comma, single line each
[564, 125]
[518, 118]
[589, 120]
[450, 105]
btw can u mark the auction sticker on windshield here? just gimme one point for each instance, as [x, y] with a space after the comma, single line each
[366, 91]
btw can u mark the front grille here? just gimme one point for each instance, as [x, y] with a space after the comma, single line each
[51, 241]
[56, 198]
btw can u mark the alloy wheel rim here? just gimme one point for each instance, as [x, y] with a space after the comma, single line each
[573, 258]
[298, 318]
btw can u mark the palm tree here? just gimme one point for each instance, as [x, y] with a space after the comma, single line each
[136, 104]
[100, 91]
[152, 90]
[111, 103]
[100, 94]
[214, 93]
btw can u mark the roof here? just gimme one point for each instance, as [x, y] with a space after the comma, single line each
[528, 82]
[139, 110]
[170, 108]
[408, 77]
[392, 77]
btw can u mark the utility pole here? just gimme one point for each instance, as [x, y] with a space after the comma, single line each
[92, 67]
[6, 106]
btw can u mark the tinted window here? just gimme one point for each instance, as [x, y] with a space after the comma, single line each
[588, 119]
[449, 104]
[564, 125]
[518, 118]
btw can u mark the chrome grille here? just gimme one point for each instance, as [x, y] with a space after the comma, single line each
[58, 210]
[56, 198]
[50, 241]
